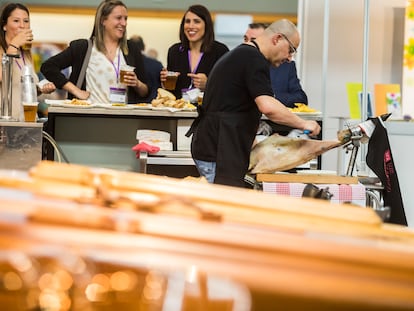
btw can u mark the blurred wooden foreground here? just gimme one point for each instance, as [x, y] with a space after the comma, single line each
[291, 254]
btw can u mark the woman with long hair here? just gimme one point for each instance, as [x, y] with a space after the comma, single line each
[109, 52]
[15, 40]
[196, 53]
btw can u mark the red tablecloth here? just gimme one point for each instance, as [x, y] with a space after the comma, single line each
[353, 193]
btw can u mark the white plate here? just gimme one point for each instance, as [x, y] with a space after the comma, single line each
[116, 107]
[171, 109]
[146, 106]
[309, 114]
[101, 105]
[78, 106]
[188, 109]
[57, 102]
[111, 106]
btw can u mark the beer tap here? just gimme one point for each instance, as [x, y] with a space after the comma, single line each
[6, 87]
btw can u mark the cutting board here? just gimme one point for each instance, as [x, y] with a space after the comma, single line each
[307, 178]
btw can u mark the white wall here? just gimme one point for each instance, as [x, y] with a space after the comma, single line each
[241, 6]
[345, 55]
[157, 33]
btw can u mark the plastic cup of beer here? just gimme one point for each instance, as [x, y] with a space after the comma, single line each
[125, 69]
[171, 80]
[200, 98]
[30, 111]
[27, 46]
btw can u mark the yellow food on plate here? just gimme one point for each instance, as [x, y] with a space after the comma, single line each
[300, 107]
[190, 106]
[119, 104]
[79, 102]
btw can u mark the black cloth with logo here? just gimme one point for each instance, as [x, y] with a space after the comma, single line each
[379, 159]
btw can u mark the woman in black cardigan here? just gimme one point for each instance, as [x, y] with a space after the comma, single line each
[196, 53]
[110, 50]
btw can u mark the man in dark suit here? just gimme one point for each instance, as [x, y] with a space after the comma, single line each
[153, 68]
[285, 82]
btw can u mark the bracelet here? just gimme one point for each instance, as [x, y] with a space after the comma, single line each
[12, 45]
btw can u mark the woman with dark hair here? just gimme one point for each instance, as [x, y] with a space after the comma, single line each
[109, 52]
[196, 53]
[15, 40]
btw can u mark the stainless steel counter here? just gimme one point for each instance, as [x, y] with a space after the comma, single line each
[20, 144]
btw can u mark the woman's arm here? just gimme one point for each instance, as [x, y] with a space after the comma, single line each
[75, 91]
[73, 57]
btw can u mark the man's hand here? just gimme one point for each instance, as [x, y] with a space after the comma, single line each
[313, 127]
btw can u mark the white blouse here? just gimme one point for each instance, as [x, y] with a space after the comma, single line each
[102, 74]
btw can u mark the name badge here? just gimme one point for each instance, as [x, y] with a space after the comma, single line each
[117, 95]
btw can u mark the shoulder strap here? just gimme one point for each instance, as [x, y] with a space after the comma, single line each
[84, 64]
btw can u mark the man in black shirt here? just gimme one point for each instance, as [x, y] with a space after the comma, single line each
[285, 82]
[238, 92]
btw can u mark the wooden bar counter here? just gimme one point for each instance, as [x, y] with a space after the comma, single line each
[290, 254]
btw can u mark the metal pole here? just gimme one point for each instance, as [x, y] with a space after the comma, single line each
[325, 54]
[301, 28]
[364, 105]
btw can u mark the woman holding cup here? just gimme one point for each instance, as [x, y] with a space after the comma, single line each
[110, 52]
[191, 60]
[15, 39]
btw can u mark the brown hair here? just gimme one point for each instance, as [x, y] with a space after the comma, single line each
[258, 25]
[6, 11]
[208, 39]
[102, 12]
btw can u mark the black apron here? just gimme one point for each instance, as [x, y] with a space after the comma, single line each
[379, 159]
[234, 133]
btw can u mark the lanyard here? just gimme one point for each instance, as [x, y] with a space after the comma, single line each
[198, 62]
[196, 66]
[115, 68]
[24, 62]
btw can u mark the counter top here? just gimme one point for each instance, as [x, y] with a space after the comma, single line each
[20, 124]
[149, 112]
[122, 111]
[306, 116]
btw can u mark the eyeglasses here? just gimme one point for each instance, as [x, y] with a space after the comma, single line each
[292, 49]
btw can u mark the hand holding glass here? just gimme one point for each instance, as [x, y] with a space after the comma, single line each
[28, 44]
[125, 70]
[171, 80]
